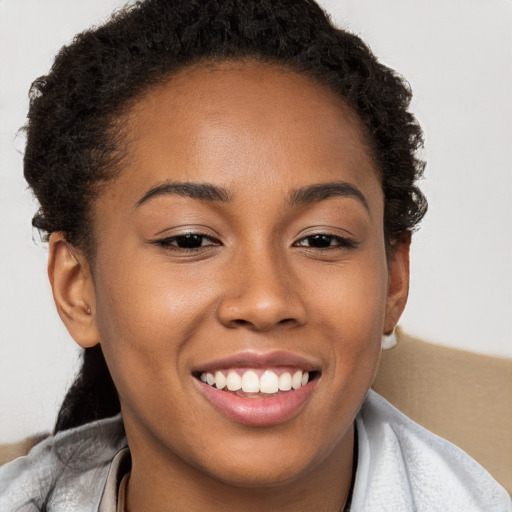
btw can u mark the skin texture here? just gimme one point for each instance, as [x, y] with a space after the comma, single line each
[255, 285]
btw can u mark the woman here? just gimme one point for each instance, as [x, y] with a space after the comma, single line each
[229, 193]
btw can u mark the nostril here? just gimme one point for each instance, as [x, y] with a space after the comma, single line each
[286, 321]
[241, 322]
[260, 325]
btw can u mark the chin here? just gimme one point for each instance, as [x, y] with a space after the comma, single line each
[271, 474]
[269, 461]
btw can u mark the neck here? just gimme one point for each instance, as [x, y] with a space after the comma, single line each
[170, 484]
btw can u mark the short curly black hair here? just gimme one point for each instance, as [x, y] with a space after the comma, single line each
[73, 141]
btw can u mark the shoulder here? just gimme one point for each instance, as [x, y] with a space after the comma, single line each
[65, 472]
[409, 468]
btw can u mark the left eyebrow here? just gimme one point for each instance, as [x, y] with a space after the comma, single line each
[322, 191]
[201, 191]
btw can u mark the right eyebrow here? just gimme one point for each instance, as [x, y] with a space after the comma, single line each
[321, 191]
[201, 191]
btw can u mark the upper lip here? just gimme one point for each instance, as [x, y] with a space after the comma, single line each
[254, 359]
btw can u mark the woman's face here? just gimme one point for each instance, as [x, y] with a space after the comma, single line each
[243, 240]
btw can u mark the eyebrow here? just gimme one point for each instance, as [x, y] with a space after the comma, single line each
[322, 191]
[202, 191]
[213, 193]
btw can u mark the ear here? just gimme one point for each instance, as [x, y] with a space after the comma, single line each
[398, 281]
[73, 290]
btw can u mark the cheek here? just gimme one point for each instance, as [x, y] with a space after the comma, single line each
[146, 317]
[141, 294]
[351, 298]
[349, 310]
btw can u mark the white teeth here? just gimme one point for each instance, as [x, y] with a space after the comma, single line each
[285, 382]
[297, 380]
[234, 381]
[249, 382]
[269, 383]
[220, 380]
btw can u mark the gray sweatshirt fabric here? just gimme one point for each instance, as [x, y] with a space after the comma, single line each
[401, 468]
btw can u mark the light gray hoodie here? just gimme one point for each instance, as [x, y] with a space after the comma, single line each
[401, 468]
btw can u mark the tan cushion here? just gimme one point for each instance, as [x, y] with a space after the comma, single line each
[459, 395]
[10, 452]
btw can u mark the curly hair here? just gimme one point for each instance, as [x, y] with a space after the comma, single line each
[75, 142]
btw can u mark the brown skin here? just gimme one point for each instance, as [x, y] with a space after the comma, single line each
[260, 133]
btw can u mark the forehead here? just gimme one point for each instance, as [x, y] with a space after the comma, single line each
[244, 124]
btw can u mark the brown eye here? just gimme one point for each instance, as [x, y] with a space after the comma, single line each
[188, 241]
[320, 241]
[325, 241]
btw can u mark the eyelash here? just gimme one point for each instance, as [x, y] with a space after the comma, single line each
[169, 242]
[341, 242]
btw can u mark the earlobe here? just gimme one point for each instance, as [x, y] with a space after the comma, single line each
[73, 290]
[398, 282]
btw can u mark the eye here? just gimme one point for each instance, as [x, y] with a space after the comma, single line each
[326, 241]
[187, 242]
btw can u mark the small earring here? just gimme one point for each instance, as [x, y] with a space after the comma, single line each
[88, 310]
[389, 340]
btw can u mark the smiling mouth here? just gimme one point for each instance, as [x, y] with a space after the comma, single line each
[258, 382]
[259, 390]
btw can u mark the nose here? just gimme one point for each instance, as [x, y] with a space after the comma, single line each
[261, 293]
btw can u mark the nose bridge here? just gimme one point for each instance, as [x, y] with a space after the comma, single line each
[261, 292]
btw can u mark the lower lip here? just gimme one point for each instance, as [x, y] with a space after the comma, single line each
[258, 412]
